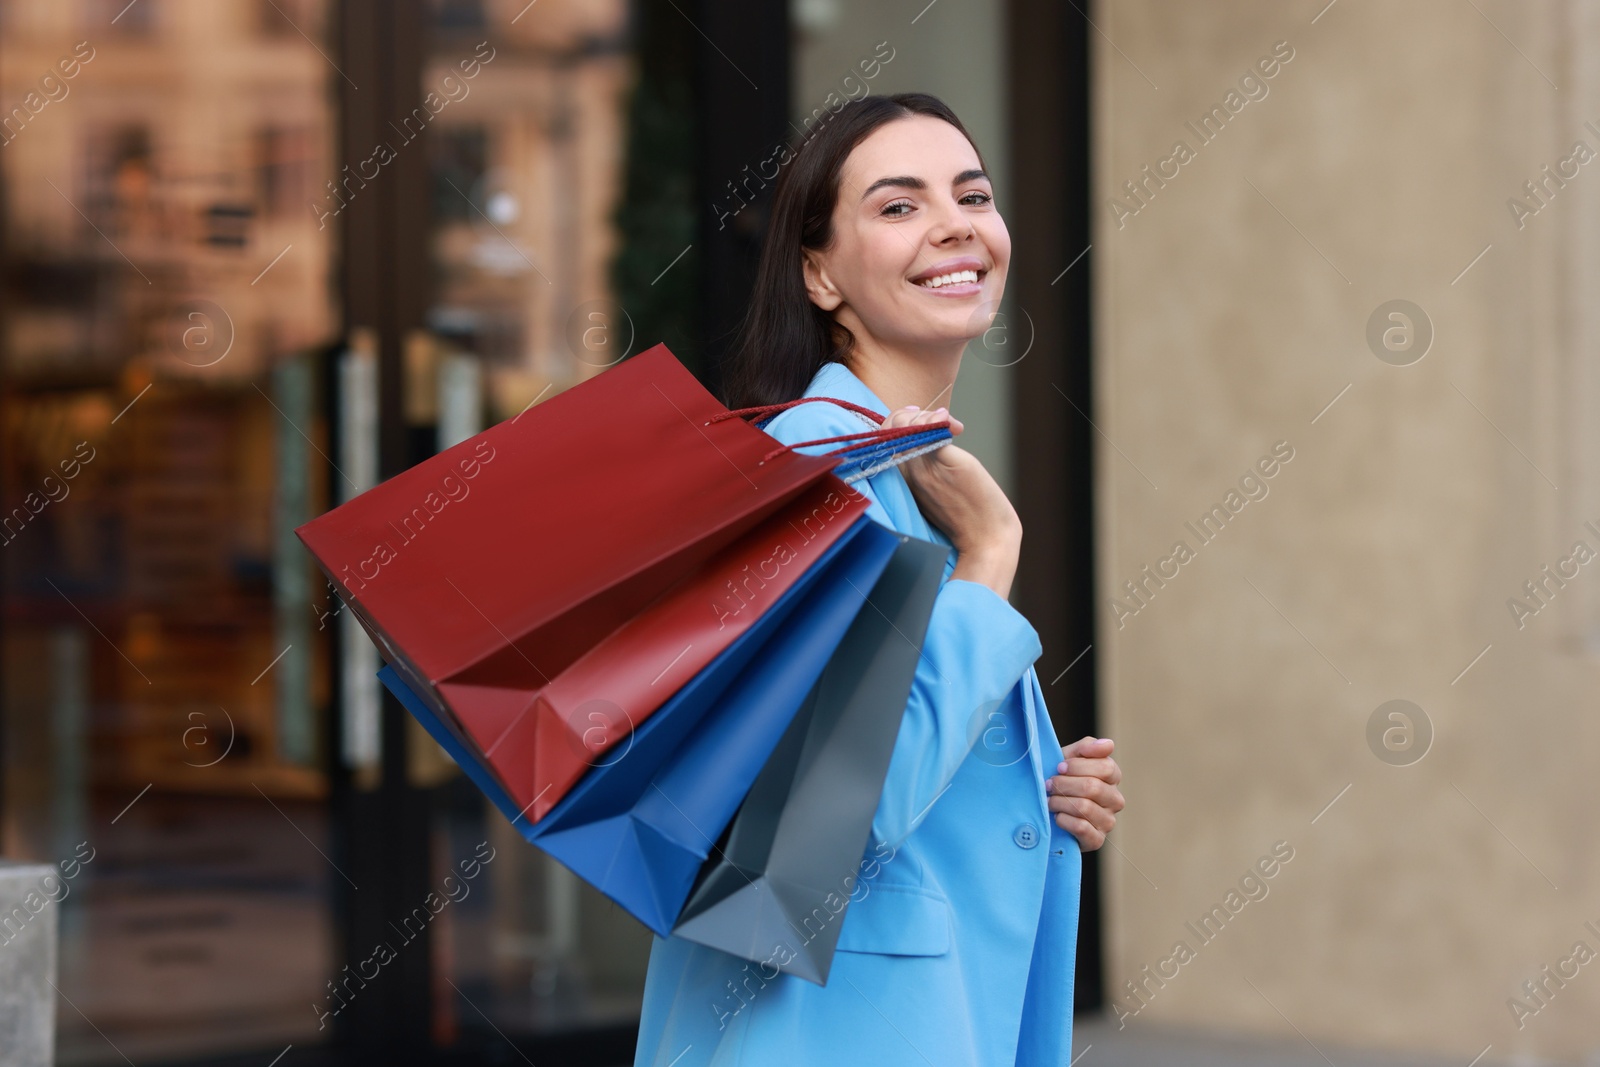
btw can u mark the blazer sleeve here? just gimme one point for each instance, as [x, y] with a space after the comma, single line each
[977, 648]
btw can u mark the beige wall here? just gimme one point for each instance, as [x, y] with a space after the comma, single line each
[1381, 561]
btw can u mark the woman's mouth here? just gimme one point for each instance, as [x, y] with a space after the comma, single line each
[953, 283]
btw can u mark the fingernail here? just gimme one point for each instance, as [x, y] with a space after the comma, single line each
[1061, 768]
[940, 411]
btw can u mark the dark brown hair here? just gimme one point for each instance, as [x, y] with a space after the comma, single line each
[784, 337]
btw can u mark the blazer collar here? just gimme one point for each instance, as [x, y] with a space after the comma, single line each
[836, 380]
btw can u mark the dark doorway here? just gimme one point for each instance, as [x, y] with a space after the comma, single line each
[1050, 137]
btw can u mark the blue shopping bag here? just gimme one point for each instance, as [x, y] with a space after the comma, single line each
[639, 825]
[794, 845]
[642, 838]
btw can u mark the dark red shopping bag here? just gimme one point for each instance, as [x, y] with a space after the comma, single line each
[501, 560]
[540, 743]
[488, 572]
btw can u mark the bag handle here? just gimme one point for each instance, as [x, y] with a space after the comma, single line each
[858, 440]
[763, 410]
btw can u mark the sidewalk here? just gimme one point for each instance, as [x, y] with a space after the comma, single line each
[1098, 1043]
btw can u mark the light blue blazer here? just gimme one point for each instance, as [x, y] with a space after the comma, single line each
[960, 939]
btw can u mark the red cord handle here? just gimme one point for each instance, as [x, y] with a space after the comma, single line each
[773, 409]
[883, 433]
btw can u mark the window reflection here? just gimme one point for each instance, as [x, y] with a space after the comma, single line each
[163, 283]
[166, 281]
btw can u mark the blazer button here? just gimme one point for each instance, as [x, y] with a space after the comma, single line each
[1026, 835]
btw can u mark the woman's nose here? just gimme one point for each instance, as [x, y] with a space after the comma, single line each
[951, 224]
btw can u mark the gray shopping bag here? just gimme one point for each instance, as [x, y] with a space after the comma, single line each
[784, 872]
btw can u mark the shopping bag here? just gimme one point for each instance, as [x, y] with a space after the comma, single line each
[540, 741]
[640, 830]
[794, 846]
[505, 622]
[640, 823]
[498, 562]
[656, 738]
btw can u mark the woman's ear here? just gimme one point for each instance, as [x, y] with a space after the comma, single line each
[818, 285]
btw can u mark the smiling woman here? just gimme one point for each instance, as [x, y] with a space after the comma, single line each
[885, 256]
[848, 206]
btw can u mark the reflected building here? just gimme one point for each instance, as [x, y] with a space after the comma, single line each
[163, 283]
[171, 332]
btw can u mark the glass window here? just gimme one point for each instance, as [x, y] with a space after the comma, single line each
[163, 709]
[167, 684]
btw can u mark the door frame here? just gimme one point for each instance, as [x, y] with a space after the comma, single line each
[1048, 101]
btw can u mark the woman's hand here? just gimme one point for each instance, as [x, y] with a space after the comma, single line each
[1083, 793]
[962, 499]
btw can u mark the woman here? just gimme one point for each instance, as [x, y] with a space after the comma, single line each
[885, 255]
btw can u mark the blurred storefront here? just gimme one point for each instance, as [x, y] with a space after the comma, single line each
[164, 676]
[182, 386]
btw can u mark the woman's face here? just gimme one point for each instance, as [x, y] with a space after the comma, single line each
[914, 207]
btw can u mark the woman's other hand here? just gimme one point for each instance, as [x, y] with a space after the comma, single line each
[962, 499]
[1083, 794]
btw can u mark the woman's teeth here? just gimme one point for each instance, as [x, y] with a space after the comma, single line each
[950, 279]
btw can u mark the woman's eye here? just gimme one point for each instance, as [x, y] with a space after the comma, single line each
[983, 198]
[890, 209]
